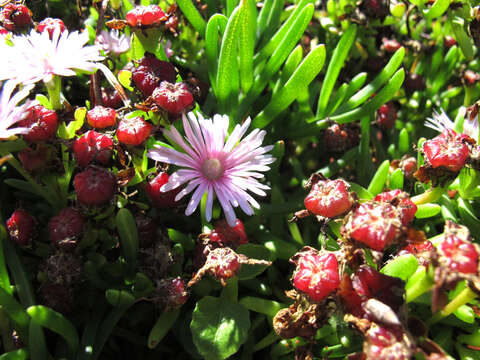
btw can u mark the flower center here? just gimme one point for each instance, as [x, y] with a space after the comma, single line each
[212, 169]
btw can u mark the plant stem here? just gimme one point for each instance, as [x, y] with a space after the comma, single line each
[463, 298]
[54, 88]
[429, 196]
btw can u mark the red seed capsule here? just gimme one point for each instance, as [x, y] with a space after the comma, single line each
[50, 25]
[15, 16]
[374, 224]
[446, 150]
[20, 227]
[42, 124]
[459, 255]
[226, 235]
[402, 201]
[150, 72]
[101, 117]
[316, 274]
[92, 146]
[159, 198]
[66, 227]
[329, 198]
[145, 16]
[133, 131]
[95, 186]
[174, 98]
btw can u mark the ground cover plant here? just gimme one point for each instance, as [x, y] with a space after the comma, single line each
[238, 179]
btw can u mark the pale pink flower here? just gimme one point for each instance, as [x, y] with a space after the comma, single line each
[36, 57]
[10, 113]
[213, 163]
[113, 42]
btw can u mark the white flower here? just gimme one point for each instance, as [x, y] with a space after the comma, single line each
[441, 121]
[36, 57]
[113, 42]
[211, 163]
[10, 113]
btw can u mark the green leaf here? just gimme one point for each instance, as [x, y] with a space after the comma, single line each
[44, 101]
[463, 40]
[279, 37]
[262, 306]
[247, 19]
[217, 22]
[176, 236]
[227, 87]
[127, 230]
[20, 354]
[427, 210]
[396, 179]
[125, 77]
[361, 192]
[366, 92]
[383, 96]
[5, 282]
[335, 65]
[302, 77]
[55, 322]
[193, 16]
[253, 251]
[269, 19]
[36, 343]
[402, 267]
[219, 327]
[16, 312]
[379, 179]
[403, 141]
[469, 219]
[161, 327]
[437, 9]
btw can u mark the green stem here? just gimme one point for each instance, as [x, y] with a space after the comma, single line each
[429, 196]
[6, 331]
[54, 88]
[463, 298]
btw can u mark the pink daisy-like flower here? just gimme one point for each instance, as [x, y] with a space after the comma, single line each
[113, 42]
[10, 113]
[36, 57]
[213, 163]
[441, 122]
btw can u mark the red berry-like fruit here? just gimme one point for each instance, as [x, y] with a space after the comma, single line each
[3, 31]
[101, 117]
[15, 16]
[111, 98]
[133, 131]
[414, 82]
[316, 274]
[341, 137]
[329, 198]
[150, 72]
[66, 227]
[50, 25]
[408, 165]
[159, 198]
[446, 150]
[174, 98]
[226, 235]
[390, 45]
[36, 158]
[145, 16]
[95, 186]
[382, 343]
[92, 146]
[222, 263]
[402, 201]
[471, 77]
[42, 124]
[386, 115]
[20, 227]
[374, 224]
[449, 41]
[459, 255]
[369, 283]
[172, 293]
